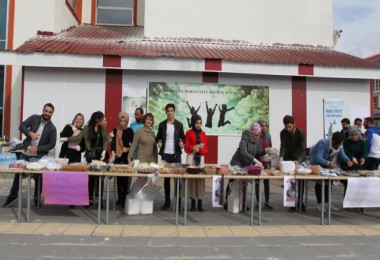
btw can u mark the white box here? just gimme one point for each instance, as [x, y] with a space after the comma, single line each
[146, 206]
[132, 206]
[233, 205]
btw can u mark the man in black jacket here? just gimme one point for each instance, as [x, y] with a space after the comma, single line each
[170, 138]
[41, 136]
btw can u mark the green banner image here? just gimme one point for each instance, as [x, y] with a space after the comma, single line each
[225, 109]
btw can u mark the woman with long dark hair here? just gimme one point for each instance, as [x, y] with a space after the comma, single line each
[95, 139]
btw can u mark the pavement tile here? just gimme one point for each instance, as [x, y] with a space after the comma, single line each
[270, 231]
[22, 228]
[244, 231]
[80, 230]
[108, 230]
[191, 231]
[4, 226]
[367, 230]
[136, 231]
[295, 230]
[163, 231]
[218, 231]
[51, 229]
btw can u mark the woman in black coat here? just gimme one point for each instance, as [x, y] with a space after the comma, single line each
[120, 144]
[72, 150]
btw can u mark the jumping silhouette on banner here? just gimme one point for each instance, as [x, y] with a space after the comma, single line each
[210, 113]
[222, 116]
[192, 112]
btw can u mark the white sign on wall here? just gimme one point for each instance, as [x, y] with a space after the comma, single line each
[362, 193]
[332, 114]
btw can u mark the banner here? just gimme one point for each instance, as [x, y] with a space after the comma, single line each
[63, 188]
[289, 191]
[332, 114]
[217, 191]
[362, 193]
[225, 109]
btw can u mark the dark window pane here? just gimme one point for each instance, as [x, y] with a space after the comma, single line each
[116, 3]
[115, 16]
[1, 86]
[3, 18]
[2, 45]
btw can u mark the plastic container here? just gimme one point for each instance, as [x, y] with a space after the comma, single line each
[253, 170]
[132, 206]
[233, 205]
[287, 167]
[146, 206]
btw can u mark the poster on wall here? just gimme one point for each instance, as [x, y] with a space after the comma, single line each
[132, 99]
[332, 114]
[225, 109]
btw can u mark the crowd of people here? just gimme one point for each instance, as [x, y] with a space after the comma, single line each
[349, 149]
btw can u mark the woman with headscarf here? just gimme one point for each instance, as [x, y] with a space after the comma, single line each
[355, 149]
[72, 150]
[249, 150]
[196, 147]
[120, 144]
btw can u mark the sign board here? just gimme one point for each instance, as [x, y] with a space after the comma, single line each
[65, 188]
[332, 115]
[289, 191]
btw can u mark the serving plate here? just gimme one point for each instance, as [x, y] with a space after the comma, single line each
[35, 166]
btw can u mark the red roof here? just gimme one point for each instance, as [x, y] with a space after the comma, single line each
[130, 41]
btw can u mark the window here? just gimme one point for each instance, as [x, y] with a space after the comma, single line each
[375, 102]
[376, 85]
[3, 37]
[115, 12]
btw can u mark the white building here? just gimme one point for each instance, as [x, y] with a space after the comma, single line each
[87, 51]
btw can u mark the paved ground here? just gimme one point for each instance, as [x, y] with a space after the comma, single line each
[57, 232]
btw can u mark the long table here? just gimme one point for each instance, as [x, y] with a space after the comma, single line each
[178, 177]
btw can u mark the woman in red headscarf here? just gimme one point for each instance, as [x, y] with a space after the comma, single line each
[196, 147]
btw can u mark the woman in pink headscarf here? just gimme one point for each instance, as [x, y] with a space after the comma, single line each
[249, 150]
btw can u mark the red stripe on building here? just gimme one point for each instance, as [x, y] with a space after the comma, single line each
[210, 77]
[305, 69]
[212, 156]
[135, 13]
[111, 61]
[371, 105]
[213, 64]
[113, 96]
[299, 109]
[93, 11]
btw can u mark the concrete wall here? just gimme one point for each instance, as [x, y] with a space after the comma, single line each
[257, 21]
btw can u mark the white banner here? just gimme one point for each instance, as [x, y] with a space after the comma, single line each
[289, 191]
[217, 191]
[332, 114]
[362, 193]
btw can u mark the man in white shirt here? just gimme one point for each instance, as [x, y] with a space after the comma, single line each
[170, 138]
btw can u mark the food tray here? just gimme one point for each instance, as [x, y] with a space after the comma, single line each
[98, 168]
[122, 169]
[146, 170]
[194, 169]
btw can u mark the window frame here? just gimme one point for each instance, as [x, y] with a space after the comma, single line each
[114, 8]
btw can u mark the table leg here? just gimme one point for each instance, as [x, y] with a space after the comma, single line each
[185, 205]
[245, 185]
[177, 202]
[114, 191]
[322, 201]
[99, 198]
[252, 200]
[259, 222]
[28, 199]
[300, 197]
[39, 191]
[19, 197]
[306, 194]
[329, 204]
[107, 198]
